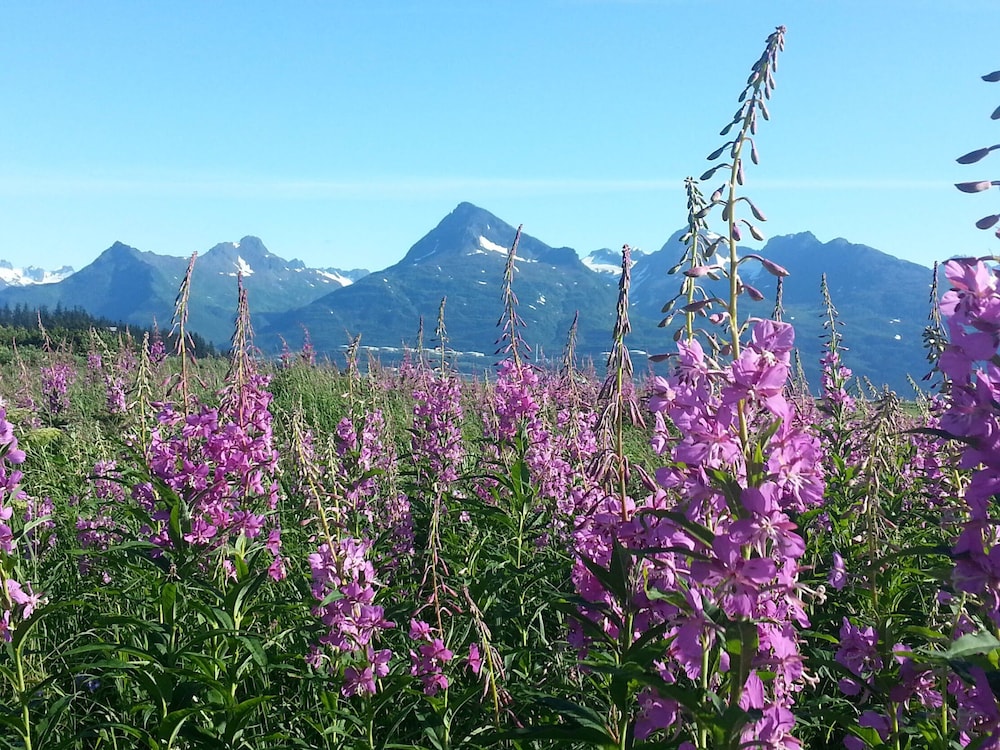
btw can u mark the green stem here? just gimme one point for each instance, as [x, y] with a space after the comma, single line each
[625, 642]
[702, 729]
[734, 277]
[620, 441]
[21, 692]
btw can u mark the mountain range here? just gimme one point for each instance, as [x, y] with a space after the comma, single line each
[136, 287]
[883, 301]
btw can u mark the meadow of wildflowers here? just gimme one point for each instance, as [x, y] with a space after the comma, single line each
[243, 553]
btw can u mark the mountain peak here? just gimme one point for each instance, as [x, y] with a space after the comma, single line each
[470, 209]
[249, 246]
[473, 231]
[466, 230]
[475, 220]
[118, 251]
[796, 239]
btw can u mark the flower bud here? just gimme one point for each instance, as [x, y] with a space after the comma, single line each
[973, 156]
[973, 187]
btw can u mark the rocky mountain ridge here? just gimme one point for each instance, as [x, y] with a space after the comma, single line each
[882, 300]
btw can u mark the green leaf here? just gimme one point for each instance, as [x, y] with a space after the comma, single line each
[614, 578]
[973, 644]
[172, 723]
[742, 645]
[238, 595]
[242, 708]
[583, 716]
[168, 604]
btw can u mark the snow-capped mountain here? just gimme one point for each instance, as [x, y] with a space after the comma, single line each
[28, 275]
[136, 287]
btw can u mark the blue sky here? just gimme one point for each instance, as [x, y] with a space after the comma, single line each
[342, 132]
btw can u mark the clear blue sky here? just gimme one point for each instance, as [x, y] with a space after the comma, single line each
[341, 132]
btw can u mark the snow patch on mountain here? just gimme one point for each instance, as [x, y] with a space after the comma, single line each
[594, 265]
[485, 244]
[242, 267]
[608, 261]
[31, 275]
[328, 277]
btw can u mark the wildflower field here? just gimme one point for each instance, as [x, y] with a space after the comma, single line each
[247, 553]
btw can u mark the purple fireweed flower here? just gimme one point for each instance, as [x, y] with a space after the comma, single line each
[774, 730]
[978, 712]
[736, 578]
[437, 426]
[655, 712]
[514, 397]
[56, 380]
[428, 661]
[223, 463]
[774, 338]
[420, 630]
[767, 525]
[859, 655]
[343, 582]
[17, 599]
[915, 681]
[838, 572]
[27, 599]
[972, 311]
[757, 375]
[475, 659]
[876, 721]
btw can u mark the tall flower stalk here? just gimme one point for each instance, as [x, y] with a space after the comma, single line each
[753, 104]
[611, 467]
[511, 342]
[708, 566]
[836, 401]
[178, 328]
[699, 246]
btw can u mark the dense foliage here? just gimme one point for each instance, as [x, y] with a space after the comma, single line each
[75, 328]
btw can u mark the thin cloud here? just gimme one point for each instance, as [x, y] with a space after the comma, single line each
[308, 188]
[400, 187]
[849, 184]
